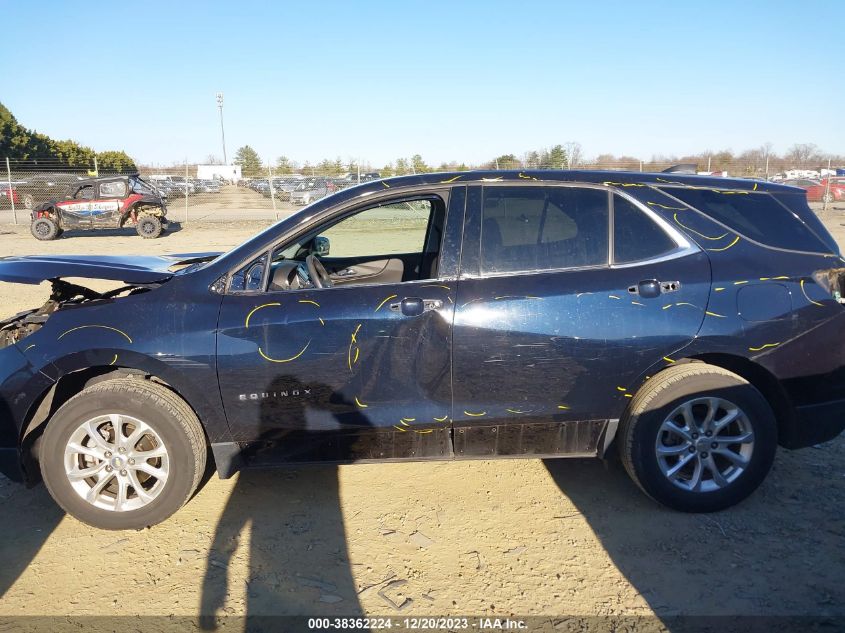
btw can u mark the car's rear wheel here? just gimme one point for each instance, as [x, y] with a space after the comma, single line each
[828, 197]
[44, 229]
[698, 438]
[123, 454]
[149, 226]
[28, 201]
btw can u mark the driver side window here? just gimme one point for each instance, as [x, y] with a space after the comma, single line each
[392, 242]
[391, 229]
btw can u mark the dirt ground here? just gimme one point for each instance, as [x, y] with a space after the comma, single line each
[506, 537]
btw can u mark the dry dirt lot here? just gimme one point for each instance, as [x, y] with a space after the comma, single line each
[507, 537]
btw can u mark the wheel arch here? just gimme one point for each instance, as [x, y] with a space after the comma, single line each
[75, 379]
[762, 380]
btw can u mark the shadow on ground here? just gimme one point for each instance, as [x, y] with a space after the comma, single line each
[724, 563]
[24, 532]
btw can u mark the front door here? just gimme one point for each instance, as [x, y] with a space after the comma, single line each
[558, 317]
[360, 370]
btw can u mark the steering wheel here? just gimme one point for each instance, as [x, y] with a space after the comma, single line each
[318, 273]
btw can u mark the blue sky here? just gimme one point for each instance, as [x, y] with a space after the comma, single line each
[452, 80]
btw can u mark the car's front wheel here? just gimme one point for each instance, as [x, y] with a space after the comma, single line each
[123, 454]
[828, 197]
[698, 438]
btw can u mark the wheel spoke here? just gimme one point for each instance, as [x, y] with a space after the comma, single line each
[97, 488]
[135, 436]
[689, 418]
[735, 458]
[152, 471]
[158, 451]
[683, 461]
[736, 439]
[117, 425]
[143, 495]
[122, 493]
[730, 416]
[695, 481]
[712, 409]
[94, 433]
[718, 478]
[78, 449]
[85, 473]
[670, 426]
[673, 450]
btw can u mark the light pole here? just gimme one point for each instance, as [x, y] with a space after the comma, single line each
[222, 131]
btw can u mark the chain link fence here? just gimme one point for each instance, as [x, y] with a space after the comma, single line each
[197, 192]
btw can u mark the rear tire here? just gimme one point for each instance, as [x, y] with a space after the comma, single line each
[28, 201]
[828, 198]
[133, 483]
[149, 226]
[44, 229]
[675, 450]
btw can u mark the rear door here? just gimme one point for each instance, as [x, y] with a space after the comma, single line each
[567, 295]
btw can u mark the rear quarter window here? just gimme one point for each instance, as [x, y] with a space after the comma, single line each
[757, 216]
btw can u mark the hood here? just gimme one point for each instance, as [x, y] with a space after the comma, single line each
[131, 270]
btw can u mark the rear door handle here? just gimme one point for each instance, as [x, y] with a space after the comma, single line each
[651, 288]
[414, 306]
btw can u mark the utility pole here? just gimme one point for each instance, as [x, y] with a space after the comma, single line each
[222, 131]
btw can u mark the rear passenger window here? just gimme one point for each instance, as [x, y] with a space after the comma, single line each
[542, 228]
[755, 215]
[635, 235]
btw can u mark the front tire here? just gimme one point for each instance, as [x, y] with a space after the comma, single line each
[28, 201]
[149, 226]
[828, 198]
[44, 229]
[123, 454]
[698, 438]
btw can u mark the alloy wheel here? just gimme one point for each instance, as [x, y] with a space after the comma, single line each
[705, 444]
[116, 462]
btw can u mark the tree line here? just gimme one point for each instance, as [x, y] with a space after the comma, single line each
[756, 162]
[29, 149]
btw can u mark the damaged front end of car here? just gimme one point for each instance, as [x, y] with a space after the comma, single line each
[63, 294]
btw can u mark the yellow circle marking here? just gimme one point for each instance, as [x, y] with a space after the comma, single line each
[715, 250]
[256, 309]
[807, 297]
[284, 360]
[385, 301]
[103, 327]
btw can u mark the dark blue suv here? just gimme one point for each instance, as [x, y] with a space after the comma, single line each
[691, 324]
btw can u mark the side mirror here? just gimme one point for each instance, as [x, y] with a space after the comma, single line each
[321, 246]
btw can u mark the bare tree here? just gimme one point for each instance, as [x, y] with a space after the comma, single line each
[802, 155]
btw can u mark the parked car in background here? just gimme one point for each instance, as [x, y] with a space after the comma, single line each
[689, 325]
[38, 188]
[9, 195]
[312, 189]
[206, 186]
[818, 191]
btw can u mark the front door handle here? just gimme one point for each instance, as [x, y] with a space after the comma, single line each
[414, 306]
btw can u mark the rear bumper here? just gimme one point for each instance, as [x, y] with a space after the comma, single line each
[817, 423]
